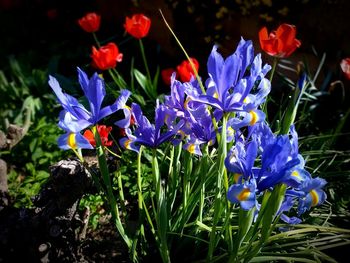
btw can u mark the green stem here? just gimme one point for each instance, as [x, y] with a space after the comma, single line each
[274, 64]
[161, 210]
[144, 59]
[96, 40]
[218, 193]
[183, 49]
[203, 177]
[121, 192]
[139, 179]
[109, 191]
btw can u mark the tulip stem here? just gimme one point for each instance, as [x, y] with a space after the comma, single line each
[96, 40]
[275, 62]
[145, 60]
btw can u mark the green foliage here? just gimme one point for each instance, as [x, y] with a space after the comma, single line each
[27, 103]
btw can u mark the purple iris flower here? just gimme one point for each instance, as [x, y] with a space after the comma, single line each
[243, 193]
[176, 100]
[75, 117]
[73, 141]
[229, 80]
[146, 133]
[286, 206]
[314, 195]
[240, 160]
[275, 163]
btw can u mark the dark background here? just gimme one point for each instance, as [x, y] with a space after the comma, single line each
[45, 34]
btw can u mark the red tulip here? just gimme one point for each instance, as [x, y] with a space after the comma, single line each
[90, 22]
[103, 131]
[138, 25]
[185, 70]
[280, 43]
[106, 57]
[345, 67]
[166, 75]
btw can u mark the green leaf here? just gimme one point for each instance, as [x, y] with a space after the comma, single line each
[141, 79]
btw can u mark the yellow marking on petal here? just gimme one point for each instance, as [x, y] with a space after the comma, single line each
[127, 107]
[246, 100]
[243, 195]
[186, 102]
[166, 118]
[236, 177]
[296, 174]
[255, 117]
[211, 142]
[182, 133]
[230, 131]
[127, 144]
[314, 197]
[216, 95]
[71, 141]
[100, 75]
[191, 148]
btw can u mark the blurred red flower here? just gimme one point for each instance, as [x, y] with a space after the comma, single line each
[345, 67]
[185, 71]
[166, 75]
[138, 25]
[103, 131]
[279, 43]
[106, 57]
[90, 22]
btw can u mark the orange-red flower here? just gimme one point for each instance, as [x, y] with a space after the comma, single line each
[166, 75]
[106, 57]
[138, 25]
[90, 22]
[185, 70]
[280, 43]
[345, 67]
[103, 131]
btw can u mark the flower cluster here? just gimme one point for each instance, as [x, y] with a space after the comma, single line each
[235, 89]
[194, 114]
[264, 160]
[107, 56]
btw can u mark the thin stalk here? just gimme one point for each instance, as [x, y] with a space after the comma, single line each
[203, 177]
[183, 49]
[96, 40]
[145, 60]
[116, 81]
[274, 64]
[193, 68]
[121, 192]
[139, 180]
[218, 192]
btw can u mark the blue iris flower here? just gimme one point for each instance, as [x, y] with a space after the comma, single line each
[243, 193]
[75, 117]
[286, 206]
[314, 195]
[240, 160]
[148, 134]
[73, 141]
[230, 81]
